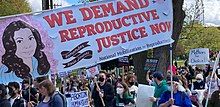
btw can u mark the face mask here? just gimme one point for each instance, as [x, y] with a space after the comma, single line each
[101, 79]
[199, 81]
[169, 88]
[67, 84]
[131, 83]
[11, 92]
[120, 90]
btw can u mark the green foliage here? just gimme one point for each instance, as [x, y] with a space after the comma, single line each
[198, 36]
[11, 7]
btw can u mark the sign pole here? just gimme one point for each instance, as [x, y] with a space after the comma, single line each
[213, 71]
[171, 64]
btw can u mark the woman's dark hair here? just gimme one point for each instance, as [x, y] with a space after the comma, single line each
[13, 62]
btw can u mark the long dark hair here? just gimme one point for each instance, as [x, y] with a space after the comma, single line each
[13, 62]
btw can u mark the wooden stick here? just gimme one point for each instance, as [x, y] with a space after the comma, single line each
[97, 86]
[29, 90]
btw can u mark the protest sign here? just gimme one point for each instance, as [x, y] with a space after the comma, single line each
[151, 64]
[199, 56]
[92, 71]
[79, 36]
[143, 99]
[77, 99]
[123, 61]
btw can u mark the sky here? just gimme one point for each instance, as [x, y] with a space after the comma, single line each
[211, 8]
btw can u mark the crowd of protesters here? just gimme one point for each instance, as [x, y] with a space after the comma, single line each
[109, 90]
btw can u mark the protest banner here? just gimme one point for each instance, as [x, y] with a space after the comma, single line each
[77, 99]
[151, 64]
[143, 99]
[199, 56]
[92, 71]
[79, 36]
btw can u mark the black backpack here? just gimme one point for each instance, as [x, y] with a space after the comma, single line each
[61, 95]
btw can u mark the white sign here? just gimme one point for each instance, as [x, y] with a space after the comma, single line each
[199, 56]
[91, 72]
[143, 99]
[78, 99]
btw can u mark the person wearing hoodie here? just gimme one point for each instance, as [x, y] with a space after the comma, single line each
[199, 84]
[180, 98]
[160, 87]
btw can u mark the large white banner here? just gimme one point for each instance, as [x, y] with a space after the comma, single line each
[199, 56]
[85, 35]
[81, 36]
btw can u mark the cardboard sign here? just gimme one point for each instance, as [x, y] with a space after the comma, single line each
[199, 56]
[151, 64]
[79, 36]
[143, 99]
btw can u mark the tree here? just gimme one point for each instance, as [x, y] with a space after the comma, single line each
[200, 37]
[161, 53]
[11, 7]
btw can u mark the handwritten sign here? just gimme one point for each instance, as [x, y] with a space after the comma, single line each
[199, 56]
[77, 99]
[151, 64]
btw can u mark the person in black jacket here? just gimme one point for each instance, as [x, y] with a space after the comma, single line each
[26, 87]
[199, 84]
[4, 102]
[15, 97]
[106, 92]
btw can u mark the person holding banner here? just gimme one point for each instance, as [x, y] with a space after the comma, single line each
[23, 55]
[160, 87]
[29, 91]
[104, 91]
[180, 98]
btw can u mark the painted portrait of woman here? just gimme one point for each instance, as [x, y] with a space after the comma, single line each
[23, 56]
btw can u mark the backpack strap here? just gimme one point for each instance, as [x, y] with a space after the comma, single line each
[51, 102]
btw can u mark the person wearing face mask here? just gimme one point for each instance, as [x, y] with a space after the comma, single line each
[179, 99]
[133, 89]
[105, 91]
[3, 100]
[160, 87]
[199, 84]
[15, 98]
[123, 96]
